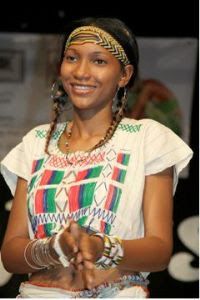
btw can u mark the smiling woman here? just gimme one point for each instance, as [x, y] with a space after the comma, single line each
[94, 193]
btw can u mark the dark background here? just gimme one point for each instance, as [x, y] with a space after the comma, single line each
[146, 19]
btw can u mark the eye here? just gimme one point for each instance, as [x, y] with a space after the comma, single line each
[100, 61]
[70, 58]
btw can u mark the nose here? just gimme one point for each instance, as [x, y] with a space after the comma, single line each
[82, 70]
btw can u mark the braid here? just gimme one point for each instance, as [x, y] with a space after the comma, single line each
[57, 110]
[118, 115]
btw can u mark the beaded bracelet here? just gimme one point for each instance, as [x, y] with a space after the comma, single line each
[112, 253]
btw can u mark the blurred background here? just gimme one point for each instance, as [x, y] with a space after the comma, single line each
[168, 36]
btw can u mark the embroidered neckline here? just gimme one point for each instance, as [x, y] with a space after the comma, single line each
[54, 148]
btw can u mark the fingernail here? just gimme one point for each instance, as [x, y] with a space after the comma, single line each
[75, 250]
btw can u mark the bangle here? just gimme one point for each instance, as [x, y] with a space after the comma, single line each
[112, 253]
[26, 259]
[61, 256]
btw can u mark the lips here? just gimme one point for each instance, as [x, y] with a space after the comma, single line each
[82, 88]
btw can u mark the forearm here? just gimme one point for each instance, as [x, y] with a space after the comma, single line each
[148, 254]
[12, 254]
[17, 256]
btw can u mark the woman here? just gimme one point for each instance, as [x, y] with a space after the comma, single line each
[92, 212]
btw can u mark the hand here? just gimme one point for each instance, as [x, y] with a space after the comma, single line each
[90, 248]
[67, 243]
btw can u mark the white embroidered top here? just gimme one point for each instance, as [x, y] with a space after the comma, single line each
[102, 190]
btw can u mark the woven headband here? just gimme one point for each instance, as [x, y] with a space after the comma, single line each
[92, 34]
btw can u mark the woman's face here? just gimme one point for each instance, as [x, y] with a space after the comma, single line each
[91, 75]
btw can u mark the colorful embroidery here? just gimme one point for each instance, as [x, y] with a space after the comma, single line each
[88, 194]
[89, 173]
[81, 196]
[37, 165]
[111, 204]
[129, 127]
[42, 133]
[45, 203]
[76, 159]
[51, 177]
[31, 184]
[123, 158]
[119, 175]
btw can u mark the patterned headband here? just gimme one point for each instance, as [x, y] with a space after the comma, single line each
[92, 34]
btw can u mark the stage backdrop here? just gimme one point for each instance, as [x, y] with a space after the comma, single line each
[28, 66]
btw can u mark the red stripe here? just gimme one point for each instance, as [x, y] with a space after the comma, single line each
[81, 175]
[34, 165]
[46, 177]
[40, 232]
[115, 173]
[74, 198]
[120, 158]
[109, 197]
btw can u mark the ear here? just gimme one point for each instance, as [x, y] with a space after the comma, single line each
[127, 72]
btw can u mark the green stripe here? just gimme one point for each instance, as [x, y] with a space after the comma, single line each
[87, 199]
[51, 207]
[122, 176]
[39, 164]
[118, 196]
[126, 159]
[31, 184]
[95, 172]
[57, 177]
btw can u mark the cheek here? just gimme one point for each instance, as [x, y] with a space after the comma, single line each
[64, 70]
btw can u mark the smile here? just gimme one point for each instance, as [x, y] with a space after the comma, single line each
[82, 89]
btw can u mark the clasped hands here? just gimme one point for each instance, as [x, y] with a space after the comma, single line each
[82, 250]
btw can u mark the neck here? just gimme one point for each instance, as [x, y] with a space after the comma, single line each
[85, 126]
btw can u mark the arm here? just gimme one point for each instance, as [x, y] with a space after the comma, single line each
[16, 237]
[153, 252]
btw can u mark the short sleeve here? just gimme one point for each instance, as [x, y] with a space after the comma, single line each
[17, 163]
[164, 149]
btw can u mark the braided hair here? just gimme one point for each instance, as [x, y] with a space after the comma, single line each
[127, 40]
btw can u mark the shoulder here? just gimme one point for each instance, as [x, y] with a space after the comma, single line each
[40, 132]
[142, 125]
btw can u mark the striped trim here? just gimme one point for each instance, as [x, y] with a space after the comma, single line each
[123, 158]
[89, 173]
[36, 165]
[111, 204]
[52, 177]
[119, 175]
[81, 196]
[45, 203]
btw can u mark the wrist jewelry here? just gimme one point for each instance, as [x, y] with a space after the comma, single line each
[61, 256]
[40, 254]
[112, 254]
[35, 267]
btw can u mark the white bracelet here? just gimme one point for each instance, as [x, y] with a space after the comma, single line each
[61, 256]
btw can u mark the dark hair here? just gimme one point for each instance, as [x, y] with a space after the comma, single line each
[117, 29]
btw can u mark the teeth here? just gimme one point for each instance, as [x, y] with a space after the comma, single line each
[82, 87]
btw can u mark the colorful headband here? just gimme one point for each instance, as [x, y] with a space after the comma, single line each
[92, 34]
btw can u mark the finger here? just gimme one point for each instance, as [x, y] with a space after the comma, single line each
[88, 277]
[75, 230]
[85, 246]
[68, 243]
[89, 265]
